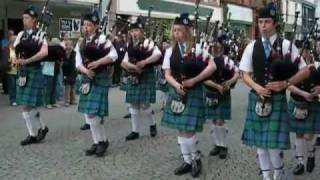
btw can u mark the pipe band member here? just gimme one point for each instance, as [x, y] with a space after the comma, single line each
[94, 57]
[186, 68]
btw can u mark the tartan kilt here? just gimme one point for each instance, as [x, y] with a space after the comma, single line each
[268, 132]
[162, 87]
[123, 82]
[145, 91]
[32, 93]
[222, 111]
[310, 125]
[193, 117]
[96, 102]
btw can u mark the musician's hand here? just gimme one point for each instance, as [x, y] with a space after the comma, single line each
[188, 83]
[180, 90]
[277, 86]
[263, 92]
[308, 96]
[90, 73]
[93, 65]
[19, 62]
[315, 91]
[221, 89]
[137, 69]
[141, 64]
[226, 85]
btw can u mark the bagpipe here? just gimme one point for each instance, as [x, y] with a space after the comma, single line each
[31, 44]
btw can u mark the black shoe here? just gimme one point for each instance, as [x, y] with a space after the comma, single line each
[29, 140]
[215, 151]
[102, 148]
[153, 130]
[183, 169]
[92, 150]
[310, 164]
[317, 143]
[132, 136]
[299, 169]
[85, 127]
[223, 152]
[127, 116]
[196, 168]
[42, 134]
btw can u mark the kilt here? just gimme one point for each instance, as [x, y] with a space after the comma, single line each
[160, 75]
[310, 125]
[145, 91]
[193, 117]
[32, 93]
[268, 132]
[222, 111]
[123, 81]
[96, 102]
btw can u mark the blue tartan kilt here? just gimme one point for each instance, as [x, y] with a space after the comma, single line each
[145, 91]
[267, 132]
[192, 118]
[310, 125]
[96, 102]
[222, 111]
[32, 93]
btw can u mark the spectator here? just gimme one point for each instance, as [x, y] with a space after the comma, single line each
[69, 73]
[12, 73]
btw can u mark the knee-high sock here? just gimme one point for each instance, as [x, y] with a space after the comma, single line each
[147, 112]
[214, 134]
[193, 146]
[86, 119]
[102, 131]
[183, 143]
[264, 161]
[221, 136]
[300, 149]
[135, 115]
[276, 161]
[93, 128]
[310, 147]
[27, 116]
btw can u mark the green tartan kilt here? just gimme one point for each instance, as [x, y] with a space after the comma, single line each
[32, 93]
[162, 87]
[222, 111]
[96, 102]
[267, 132]
[310, 125]
[192, 118]
[145, 91]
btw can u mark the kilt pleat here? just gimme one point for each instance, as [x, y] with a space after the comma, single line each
[222, 111]
[145, 91]
[32, 93]
[267, 132]
[96, 102]
[192, 118]
[311, 124]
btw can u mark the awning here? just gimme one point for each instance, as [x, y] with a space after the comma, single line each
[240, 14]
[165, 8]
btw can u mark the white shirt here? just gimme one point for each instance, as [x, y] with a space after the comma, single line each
[112, 54]
[168, 53]
[19, 36]
[246, 60]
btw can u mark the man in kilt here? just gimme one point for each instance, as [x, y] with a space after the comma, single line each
[185, 107]
[218, 96]
[30, 51]
[94, 55]
[304, 111]
[139, 61]
[267, 125]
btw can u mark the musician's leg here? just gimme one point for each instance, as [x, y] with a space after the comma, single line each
[28, 115]
[135, 118]
[265, 162]
[277, 163]
[310, 138]
[221, 134]
[300, 151]
[146, 110]
[188, 143]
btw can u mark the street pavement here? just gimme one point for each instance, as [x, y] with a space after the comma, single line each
[61, 155]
